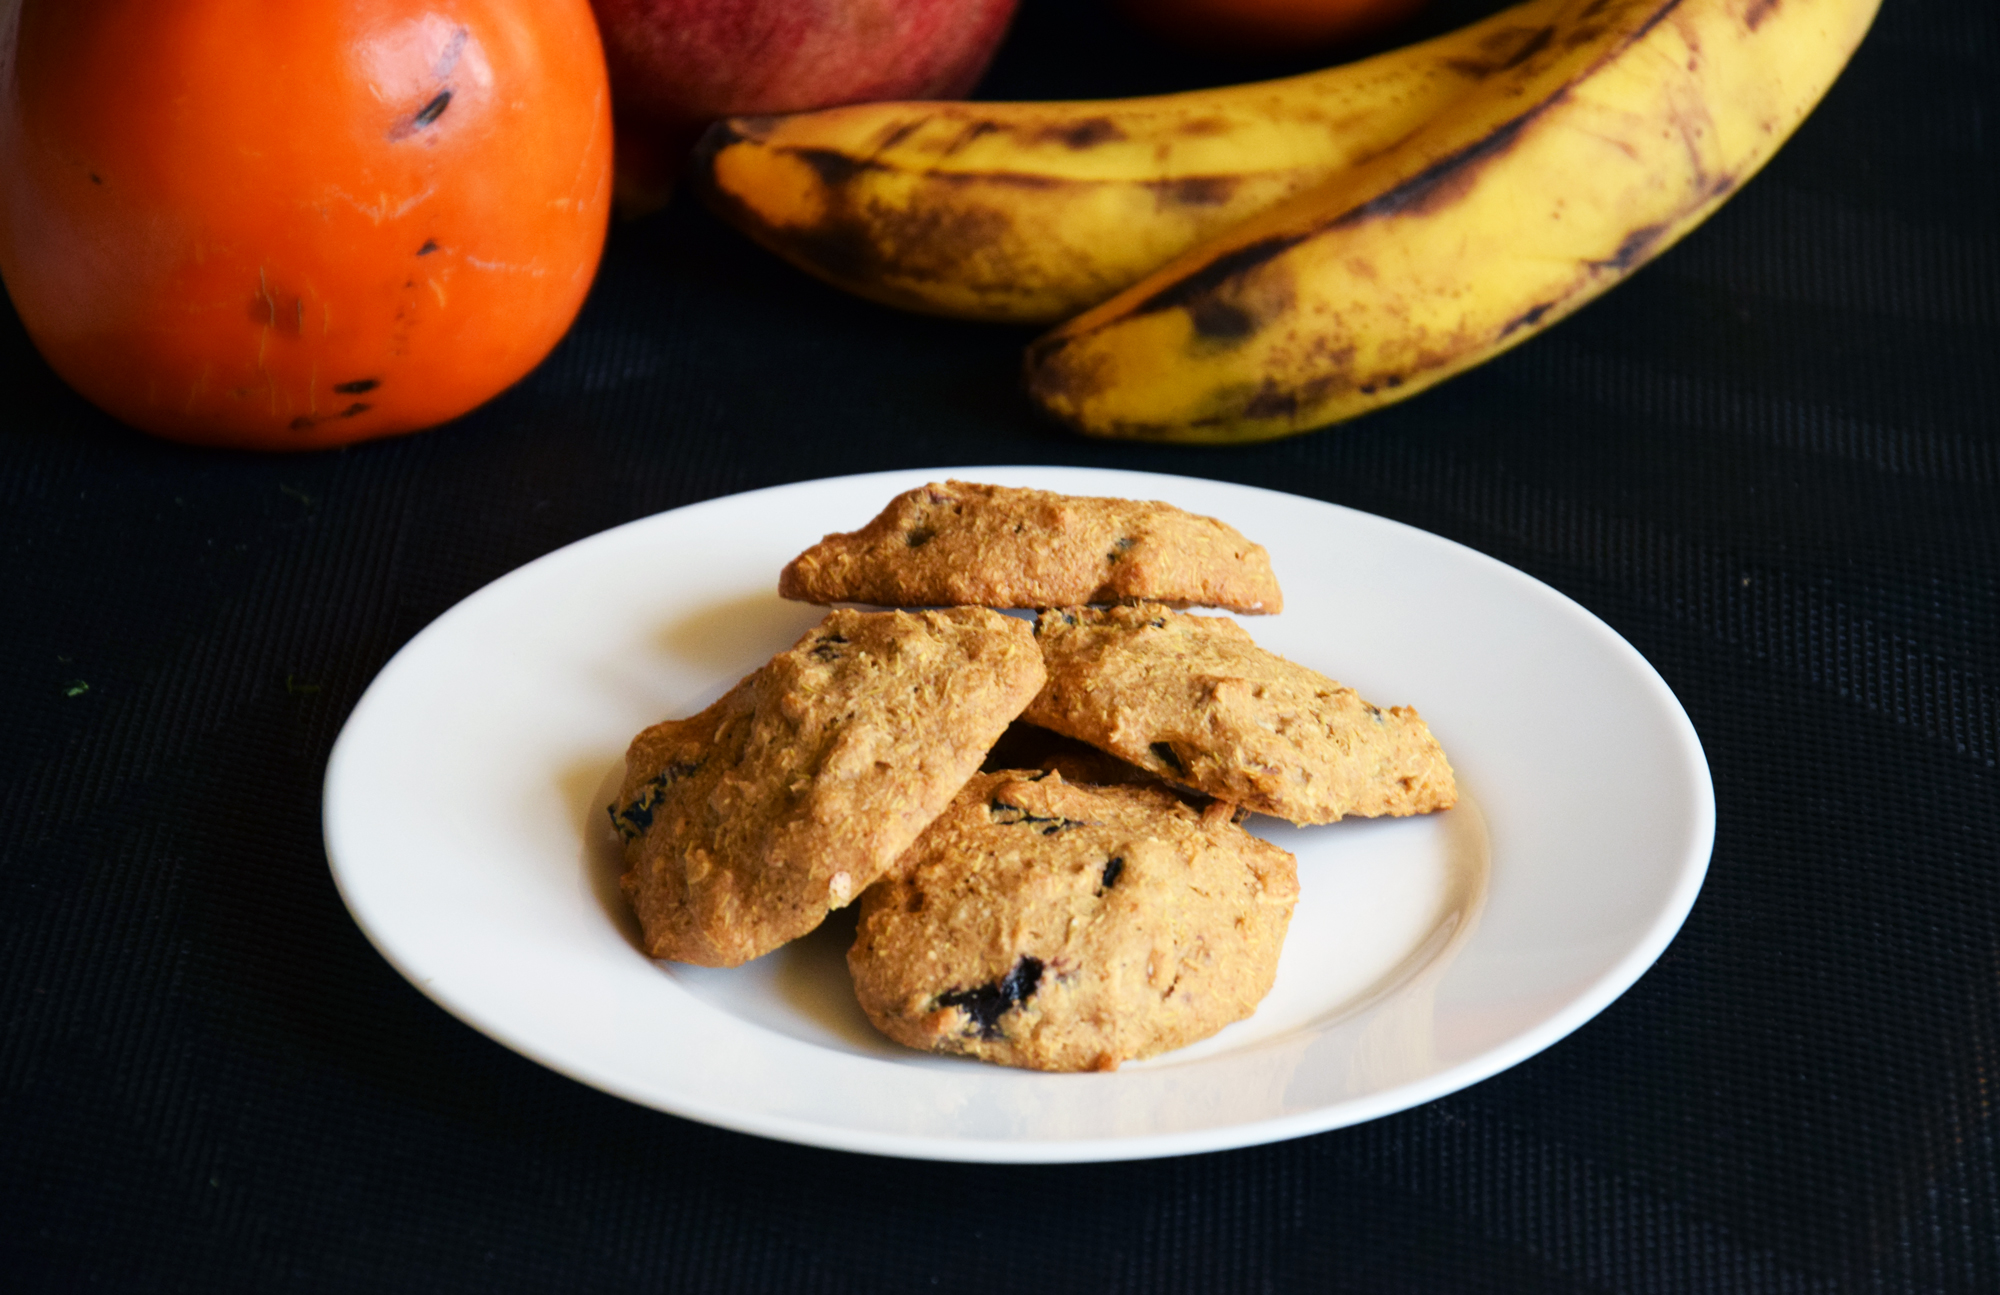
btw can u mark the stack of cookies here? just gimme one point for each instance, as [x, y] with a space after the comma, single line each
[1043, 827]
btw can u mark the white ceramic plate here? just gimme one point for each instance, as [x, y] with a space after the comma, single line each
[465, 823]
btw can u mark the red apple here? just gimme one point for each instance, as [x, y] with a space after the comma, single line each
[677, 65]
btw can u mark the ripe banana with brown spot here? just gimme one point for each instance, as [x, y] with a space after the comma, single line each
[1030, 212]
[1632, 121]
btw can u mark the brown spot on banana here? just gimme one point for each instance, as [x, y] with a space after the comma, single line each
[1190, 289]
[1504, 49]
[1631, 251]
[1066, 385]
[1195, 190]
[1001, 180]
[1389, 147]
[864, 255]
[895, 133]
[1534, 45]
[838, 235]
[1083, 133]
[972, 132]
[1216, 320]
[1273, 401]
[1528, 318]
[1660, 15]
[835, 169]
[1438, 185]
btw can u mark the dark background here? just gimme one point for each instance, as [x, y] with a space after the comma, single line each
[1770, 460]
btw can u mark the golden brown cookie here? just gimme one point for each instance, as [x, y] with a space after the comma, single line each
[1193, 700]
[744, 825]
[1040, 924]
[997, 546]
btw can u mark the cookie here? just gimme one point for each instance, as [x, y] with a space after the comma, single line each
[1055, 927]
[996, 546]
[1026, 746]
[1192, 700]
[744, 825]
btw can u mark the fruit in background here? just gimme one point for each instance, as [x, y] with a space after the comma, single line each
[1629, 125]
[677, 65]
[1265, 26]
[1030, 212]
[286, 226]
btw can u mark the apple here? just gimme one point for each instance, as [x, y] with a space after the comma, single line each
[677, 65]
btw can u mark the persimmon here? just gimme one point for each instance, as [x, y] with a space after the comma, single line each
[286, 224]
[1266, 26]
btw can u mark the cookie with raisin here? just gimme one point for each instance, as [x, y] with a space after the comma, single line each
[1041, 924]
[746, 824]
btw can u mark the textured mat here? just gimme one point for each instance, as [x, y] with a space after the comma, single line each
[1771, 461]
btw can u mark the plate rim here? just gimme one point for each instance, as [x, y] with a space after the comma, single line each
[1690, 874]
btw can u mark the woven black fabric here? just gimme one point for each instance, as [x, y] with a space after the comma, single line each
[1771, 461]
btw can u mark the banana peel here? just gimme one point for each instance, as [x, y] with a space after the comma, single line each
[1632, 122]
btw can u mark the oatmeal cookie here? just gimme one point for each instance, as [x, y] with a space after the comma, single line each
[996, 546]
[744, 825]
[1194, 701]
[1057, 927]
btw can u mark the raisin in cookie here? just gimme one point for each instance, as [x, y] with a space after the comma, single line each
[1040, 924]
[745, 824]
[1193, 700]
[996, 546]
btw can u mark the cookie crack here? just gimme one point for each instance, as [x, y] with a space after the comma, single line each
[1046, 824]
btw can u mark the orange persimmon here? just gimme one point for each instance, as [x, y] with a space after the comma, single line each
[286, 224]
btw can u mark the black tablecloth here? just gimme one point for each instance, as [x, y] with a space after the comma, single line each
[1770, 461]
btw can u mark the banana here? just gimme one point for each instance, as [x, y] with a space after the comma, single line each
[1029, 212]
[1629, 124]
